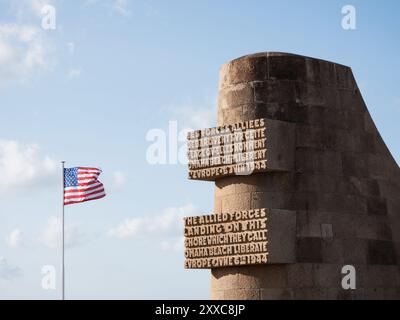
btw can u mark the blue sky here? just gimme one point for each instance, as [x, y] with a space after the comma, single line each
[90, 91]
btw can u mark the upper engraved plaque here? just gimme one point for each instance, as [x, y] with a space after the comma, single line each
[240, 149]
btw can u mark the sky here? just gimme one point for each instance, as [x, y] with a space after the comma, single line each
[96, 87]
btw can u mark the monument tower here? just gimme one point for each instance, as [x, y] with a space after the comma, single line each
[321, 192]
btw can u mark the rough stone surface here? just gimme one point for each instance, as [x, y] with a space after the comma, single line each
[342, 191]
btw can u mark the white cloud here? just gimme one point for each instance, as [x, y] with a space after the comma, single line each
[118, 180]
[23, 166]
[121, 6]
[26, 8]
[169, 223]
[7, 271]
[74, 73]
[176, 244]
[195, 116]
[71, 47]
[23, 53]
[51, 236]
[36, 6]
[15, 239]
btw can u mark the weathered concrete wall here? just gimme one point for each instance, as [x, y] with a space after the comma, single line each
[344, 187]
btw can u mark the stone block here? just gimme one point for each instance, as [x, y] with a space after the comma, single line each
[280, 145]
[351, 120]
[217, 295]
[270, 182]
[359, 186]
[309, 94]
[369, 125]
[326, 231]
[268, 276]
[381, 252]
[327, 73]
[316, 137]
[277, 200]
[355, 251]
[318, 161]
[287, 68]
[393, 206]
[350, 100]
[247, 278]
[276, 294]
[227, 186]
[222, 279]
[354, 165]
[389, 188]
[281, 225]
[305, 201]
[309, 250]
[309, 223]
[274, 92]
[313, 71]
[300, 275]
[236, 95]
[372, 227]
[332, 251]
[242, 294]
[256, 111]
[344, 77]
[341, 203]
[217, 205]
[233, 115]
[236, 202]
[318, 116]
[247, 69]
[307, 293]
[318, 182]
[288, 111]
[376, 169]
[327, 275]
[376, 206]
[377, 276]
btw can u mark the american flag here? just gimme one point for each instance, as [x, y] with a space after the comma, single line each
[81, 184]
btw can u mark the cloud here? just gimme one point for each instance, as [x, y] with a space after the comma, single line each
[74, 73]
[51, 236]
[24, 52]
[118, 180]
[195, 116]
[7, 271]
[169, 223]
[119, 6]
[23, 166]
[175, 245]
[26, 8]
[15, 239]
[71, 47]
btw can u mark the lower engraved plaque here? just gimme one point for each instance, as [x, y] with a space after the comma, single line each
[226, 239]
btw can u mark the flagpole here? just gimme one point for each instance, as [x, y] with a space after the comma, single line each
[63, 235]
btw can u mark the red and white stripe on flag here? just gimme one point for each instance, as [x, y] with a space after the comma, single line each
[82, 185]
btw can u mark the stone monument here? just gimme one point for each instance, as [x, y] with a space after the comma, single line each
[304, 185]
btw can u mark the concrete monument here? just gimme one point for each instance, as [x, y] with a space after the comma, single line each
[304, 186]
